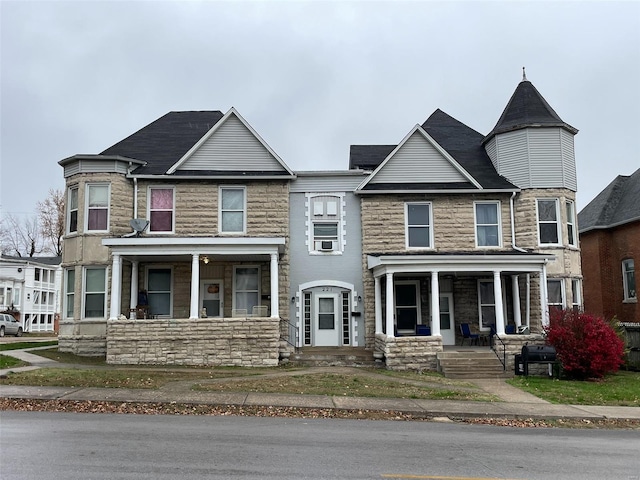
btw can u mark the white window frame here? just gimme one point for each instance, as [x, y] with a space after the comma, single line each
[87, 196]
[570, 208]
[71, 209]
[69, 296]
[576, 294]
[173, 210]
[563, 293]
[547, 222]
[317, 214]
[407, 226]
[221, 211]
[235, 291]
[84, 290]
[629, 295]
[497, 225]
[481, 304]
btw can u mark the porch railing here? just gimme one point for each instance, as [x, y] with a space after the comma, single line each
[495, 347]
[292, 333]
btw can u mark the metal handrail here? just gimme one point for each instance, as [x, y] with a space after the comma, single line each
[292, 331]
[492, 344]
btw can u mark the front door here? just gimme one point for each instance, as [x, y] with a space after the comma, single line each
[211, 298]
[327, 321]
[447, 329]
[407, 307]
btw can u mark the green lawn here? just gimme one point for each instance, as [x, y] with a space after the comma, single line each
[620, 389]
[10, 362]
[25, 344]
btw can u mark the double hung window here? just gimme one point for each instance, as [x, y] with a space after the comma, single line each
[161, 210]
[325, 223]
[95, 292]
[555, 294]
[548, 225]
[629, 279]
[69, 291]
[232, 210]
[246, 286]
[72, 210]
[571, 223]
[418, 225]
[486, 304]
[487, 224]
[97, 208]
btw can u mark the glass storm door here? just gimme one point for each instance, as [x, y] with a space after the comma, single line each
[447, 329]
[211, 298]
[407, 308]
[327, 321]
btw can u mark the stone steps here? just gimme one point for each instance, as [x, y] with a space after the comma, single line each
[333, 356]
[471, 364]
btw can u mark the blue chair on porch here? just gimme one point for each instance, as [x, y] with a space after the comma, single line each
[423, 330]
[465, 331]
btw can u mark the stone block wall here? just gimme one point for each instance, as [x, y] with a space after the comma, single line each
[409, 353]
[513, 346]
[242, 342]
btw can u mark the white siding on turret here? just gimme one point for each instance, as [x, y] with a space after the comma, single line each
[513, 158]
[417, 160]
[232, 147]
[545, 158]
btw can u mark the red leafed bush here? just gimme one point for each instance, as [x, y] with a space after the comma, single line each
[586, 345]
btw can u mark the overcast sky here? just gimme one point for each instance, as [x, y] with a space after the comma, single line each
[311, 78]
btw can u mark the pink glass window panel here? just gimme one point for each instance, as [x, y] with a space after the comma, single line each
[161, 221]
[98, 219]
[162, 199]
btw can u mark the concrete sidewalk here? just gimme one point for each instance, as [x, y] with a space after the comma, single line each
[514, 403]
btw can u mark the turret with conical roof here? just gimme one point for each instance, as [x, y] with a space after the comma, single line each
[530, 144]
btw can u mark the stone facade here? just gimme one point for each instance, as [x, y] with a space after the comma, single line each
[409, 353]
[241, 342]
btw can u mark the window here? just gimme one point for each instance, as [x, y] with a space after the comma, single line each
[486, 304]
[326, 228]
[555, 294]
[418, 225]
[326, 313]
[72, 211]
[576, 298]
[159, 291]
[232, 210]
[629, 279]
[161, 214]
[97, 208]
[548, 231]
[246, 286]
[69, 291]
[95, 281]
[487, 224]
[571, 223]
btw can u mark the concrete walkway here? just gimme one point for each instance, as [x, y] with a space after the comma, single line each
[514, 403]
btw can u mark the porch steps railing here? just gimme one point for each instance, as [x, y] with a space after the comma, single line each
[472, 363]
[333, 356]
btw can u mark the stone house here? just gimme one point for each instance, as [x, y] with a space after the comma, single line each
[610, 246]
[192, 242]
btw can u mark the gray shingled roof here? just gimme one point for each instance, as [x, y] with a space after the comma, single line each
[53, 261]
[617, 204]
[463, 143]
[164, 141]
[528, 108]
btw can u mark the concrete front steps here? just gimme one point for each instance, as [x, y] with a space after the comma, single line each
[333, 356]
[472, 363]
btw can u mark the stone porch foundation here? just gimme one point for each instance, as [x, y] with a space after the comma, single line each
[408, 353]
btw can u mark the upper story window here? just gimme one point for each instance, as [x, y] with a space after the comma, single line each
[487, 224]
[97, 208]
[72, 211]
[233, 206]
[161, 210]
[571, 223]
[629, 279]
[548, 225]
[326, 226]
[418, 225]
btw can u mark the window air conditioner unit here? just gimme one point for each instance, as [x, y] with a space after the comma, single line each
[326, 245]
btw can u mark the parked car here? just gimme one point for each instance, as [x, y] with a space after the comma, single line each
[9, 325]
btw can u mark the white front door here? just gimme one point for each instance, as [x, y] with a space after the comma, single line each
[211, 298]
[447, 324]
[326, 332]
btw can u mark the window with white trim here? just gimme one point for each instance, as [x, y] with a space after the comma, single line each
[548, 224]
[161, 209]
[418, 225]
[97, 213]
[487, 218]
[325, 214]
[246, 287]
[233, 206]
[576, 297]
[72, 210]
[571, 223]
[555, 294]
[486, 304]
[94, 292]
[629, 280]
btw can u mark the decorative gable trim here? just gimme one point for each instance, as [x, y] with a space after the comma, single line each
[410, 179]
[226, 120]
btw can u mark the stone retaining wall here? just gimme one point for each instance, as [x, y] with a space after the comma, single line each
[409, 353]
[246, 342]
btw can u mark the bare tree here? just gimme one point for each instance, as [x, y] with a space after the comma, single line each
[51, 219]
[21, 236]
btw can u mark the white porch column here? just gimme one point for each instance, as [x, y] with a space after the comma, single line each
[195, 286]
[116, 281]
[133, 300]
[516, 300]
[497, 294]
[544, 307]
[378, 303]
[435, 303]
[275, 293]
[389, 305]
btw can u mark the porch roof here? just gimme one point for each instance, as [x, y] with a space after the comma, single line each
[511, 260]
[141, 248]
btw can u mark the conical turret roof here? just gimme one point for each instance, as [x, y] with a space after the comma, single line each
[527, 108]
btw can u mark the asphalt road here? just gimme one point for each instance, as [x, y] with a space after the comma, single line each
[40, 445]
